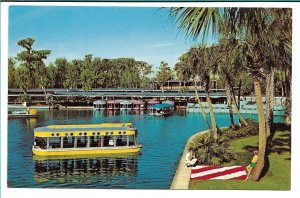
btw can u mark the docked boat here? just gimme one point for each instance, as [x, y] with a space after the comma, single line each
[28, 113]
[99, 105]
[138, 105]
[161, 109]
[113, 105]
[125, 105]
[88, 139]
[151, 102]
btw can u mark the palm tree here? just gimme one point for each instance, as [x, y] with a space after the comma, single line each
[248, 24]
[277, 55]
[230, 66]
[201, 59]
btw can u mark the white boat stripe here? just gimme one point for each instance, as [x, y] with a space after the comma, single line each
[213, 171]
[232, 175]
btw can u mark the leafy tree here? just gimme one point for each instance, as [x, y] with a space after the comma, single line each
[52, 75]
[61, 65]
[11, 73]
[164, 74]
[22, 76]
[29, 58]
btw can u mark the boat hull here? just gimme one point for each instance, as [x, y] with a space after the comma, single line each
[87, 151]
[22, 116]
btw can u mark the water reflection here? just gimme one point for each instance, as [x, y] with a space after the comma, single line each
[112, 169]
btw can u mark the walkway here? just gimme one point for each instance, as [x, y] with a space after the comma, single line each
[181, 179]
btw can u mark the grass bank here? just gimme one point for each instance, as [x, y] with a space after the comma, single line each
[277, 172]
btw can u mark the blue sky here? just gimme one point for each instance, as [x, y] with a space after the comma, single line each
[147, 34]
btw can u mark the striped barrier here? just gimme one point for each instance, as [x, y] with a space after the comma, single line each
[219, 172]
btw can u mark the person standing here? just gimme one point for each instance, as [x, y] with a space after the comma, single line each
[252, 164]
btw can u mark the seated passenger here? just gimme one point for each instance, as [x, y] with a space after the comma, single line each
[111, 143]
[190, 158]
[99, 142]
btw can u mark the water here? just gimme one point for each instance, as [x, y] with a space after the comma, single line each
[163, 140]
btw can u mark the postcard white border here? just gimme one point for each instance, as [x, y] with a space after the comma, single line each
[80, 193]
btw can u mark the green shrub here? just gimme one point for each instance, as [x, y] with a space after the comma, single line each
[244, 131]
[210, 151]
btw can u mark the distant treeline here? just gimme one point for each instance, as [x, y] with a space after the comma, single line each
[27, 70]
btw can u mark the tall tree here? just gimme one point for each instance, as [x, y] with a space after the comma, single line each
[11, 73]
[230, 65]
[29, 58]
[164, 74]
[185, 70]
[246, 23]
[62, 65]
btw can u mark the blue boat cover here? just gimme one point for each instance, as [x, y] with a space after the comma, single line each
[161, 106]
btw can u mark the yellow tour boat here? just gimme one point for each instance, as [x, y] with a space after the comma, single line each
[86, 139]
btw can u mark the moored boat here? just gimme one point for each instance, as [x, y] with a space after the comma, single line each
[99, 105]
[28, 113]
[151, 102]
[88, 139]
[112, 105]
[125, 105]
[161, 109]
[138, 105]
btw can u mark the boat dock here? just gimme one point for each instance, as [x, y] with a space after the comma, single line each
[65, 98]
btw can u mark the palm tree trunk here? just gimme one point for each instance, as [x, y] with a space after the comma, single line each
[201, 107]
[288, 103]
[269, 102]
[262, 130]
[239, 94]
[211, 111]
[237, 111]
[229, 103]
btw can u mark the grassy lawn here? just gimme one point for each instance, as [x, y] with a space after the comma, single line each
[277, 175]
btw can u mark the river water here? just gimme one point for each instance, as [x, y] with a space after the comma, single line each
[163, 140]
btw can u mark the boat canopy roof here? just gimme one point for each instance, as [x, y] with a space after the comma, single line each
[125, 102]
[99, 102]
[161, 106]
[153, 102]
[86, 127]
[113, 102]
[138, 102]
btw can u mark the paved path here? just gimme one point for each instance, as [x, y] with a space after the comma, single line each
[181, 179]
[182, 176]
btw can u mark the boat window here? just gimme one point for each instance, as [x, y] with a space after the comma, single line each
[121, 140]
[40, 142]
[54, 142]
[82, 141]
[108, 140]
[95, 141]
[68, 142]
[131, 140]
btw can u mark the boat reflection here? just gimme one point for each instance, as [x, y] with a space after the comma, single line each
[85, 169]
